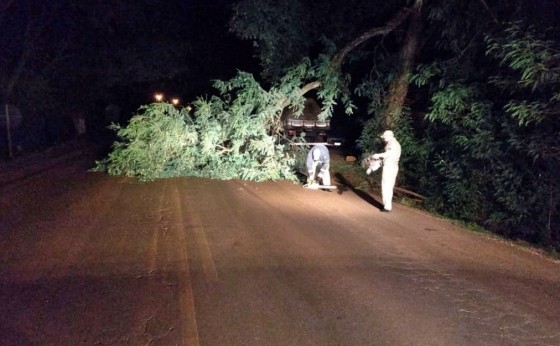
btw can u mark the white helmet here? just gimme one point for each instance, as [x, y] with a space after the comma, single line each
[316, 154]
[387, 135]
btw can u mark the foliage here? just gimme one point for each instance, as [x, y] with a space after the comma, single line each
[286, 31]
[280, 40]
[535, 67]
[158, 142]
[491, 160]
[334, 86]
[225, 138]
[236, 134]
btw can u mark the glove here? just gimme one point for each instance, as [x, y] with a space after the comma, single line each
[320, 175]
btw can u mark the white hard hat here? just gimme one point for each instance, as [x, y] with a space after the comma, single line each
[316, 154]
[387, 134]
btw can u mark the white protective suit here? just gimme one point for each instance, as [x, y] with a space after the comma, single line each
[390, 158]
[318, 158]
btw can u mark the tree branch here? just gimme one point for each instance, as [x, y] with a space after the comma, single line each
[489, 10]
[394, 22]
[304, 90]
[310, 86]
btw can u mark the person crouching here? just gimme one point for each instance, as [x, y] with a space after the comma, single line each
[318, 161]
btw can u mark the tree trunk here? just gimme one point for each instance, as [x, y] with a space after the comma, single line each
[399, 86]
[337, 60]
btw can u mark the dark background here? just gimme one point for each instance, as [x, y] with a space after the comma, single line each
[102, 60]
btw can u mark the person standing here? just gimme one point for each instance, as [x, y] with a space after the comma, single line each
[318, 162]
[390, 166]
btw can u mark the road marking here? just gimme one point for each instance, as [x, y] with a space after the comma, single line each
[186, 297]
[208, 264]
[153, 253]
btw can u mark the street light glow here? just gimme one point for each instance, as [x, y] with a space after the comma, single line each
[158, 97]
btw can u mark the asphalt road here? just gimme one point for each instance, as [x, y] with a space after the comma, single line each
[91, 259]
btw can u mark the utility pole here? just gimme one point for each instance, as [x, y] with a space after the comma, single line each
[8, 131]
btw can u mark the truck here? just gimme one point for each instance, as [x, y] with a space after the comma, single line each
[308, 125]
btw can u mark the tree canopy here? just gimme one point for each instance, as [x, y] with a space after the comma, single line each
[470, 88]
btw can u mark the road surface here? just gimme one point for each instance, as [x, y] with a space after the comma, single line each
[92, 259]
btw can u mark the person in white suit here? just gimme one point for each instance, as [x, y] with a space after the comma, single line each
[390, 166]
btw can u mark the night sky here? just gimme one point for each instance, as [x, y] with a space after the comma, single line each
[66, 57]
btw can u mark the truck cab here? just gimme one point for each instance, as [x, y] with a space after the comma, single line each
[307, 125]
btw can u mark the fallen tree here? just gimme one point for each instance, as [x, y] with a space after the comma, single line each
[236, 134]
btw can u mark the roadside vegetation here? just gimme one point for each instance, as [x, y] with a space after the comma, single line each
[471, 90]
